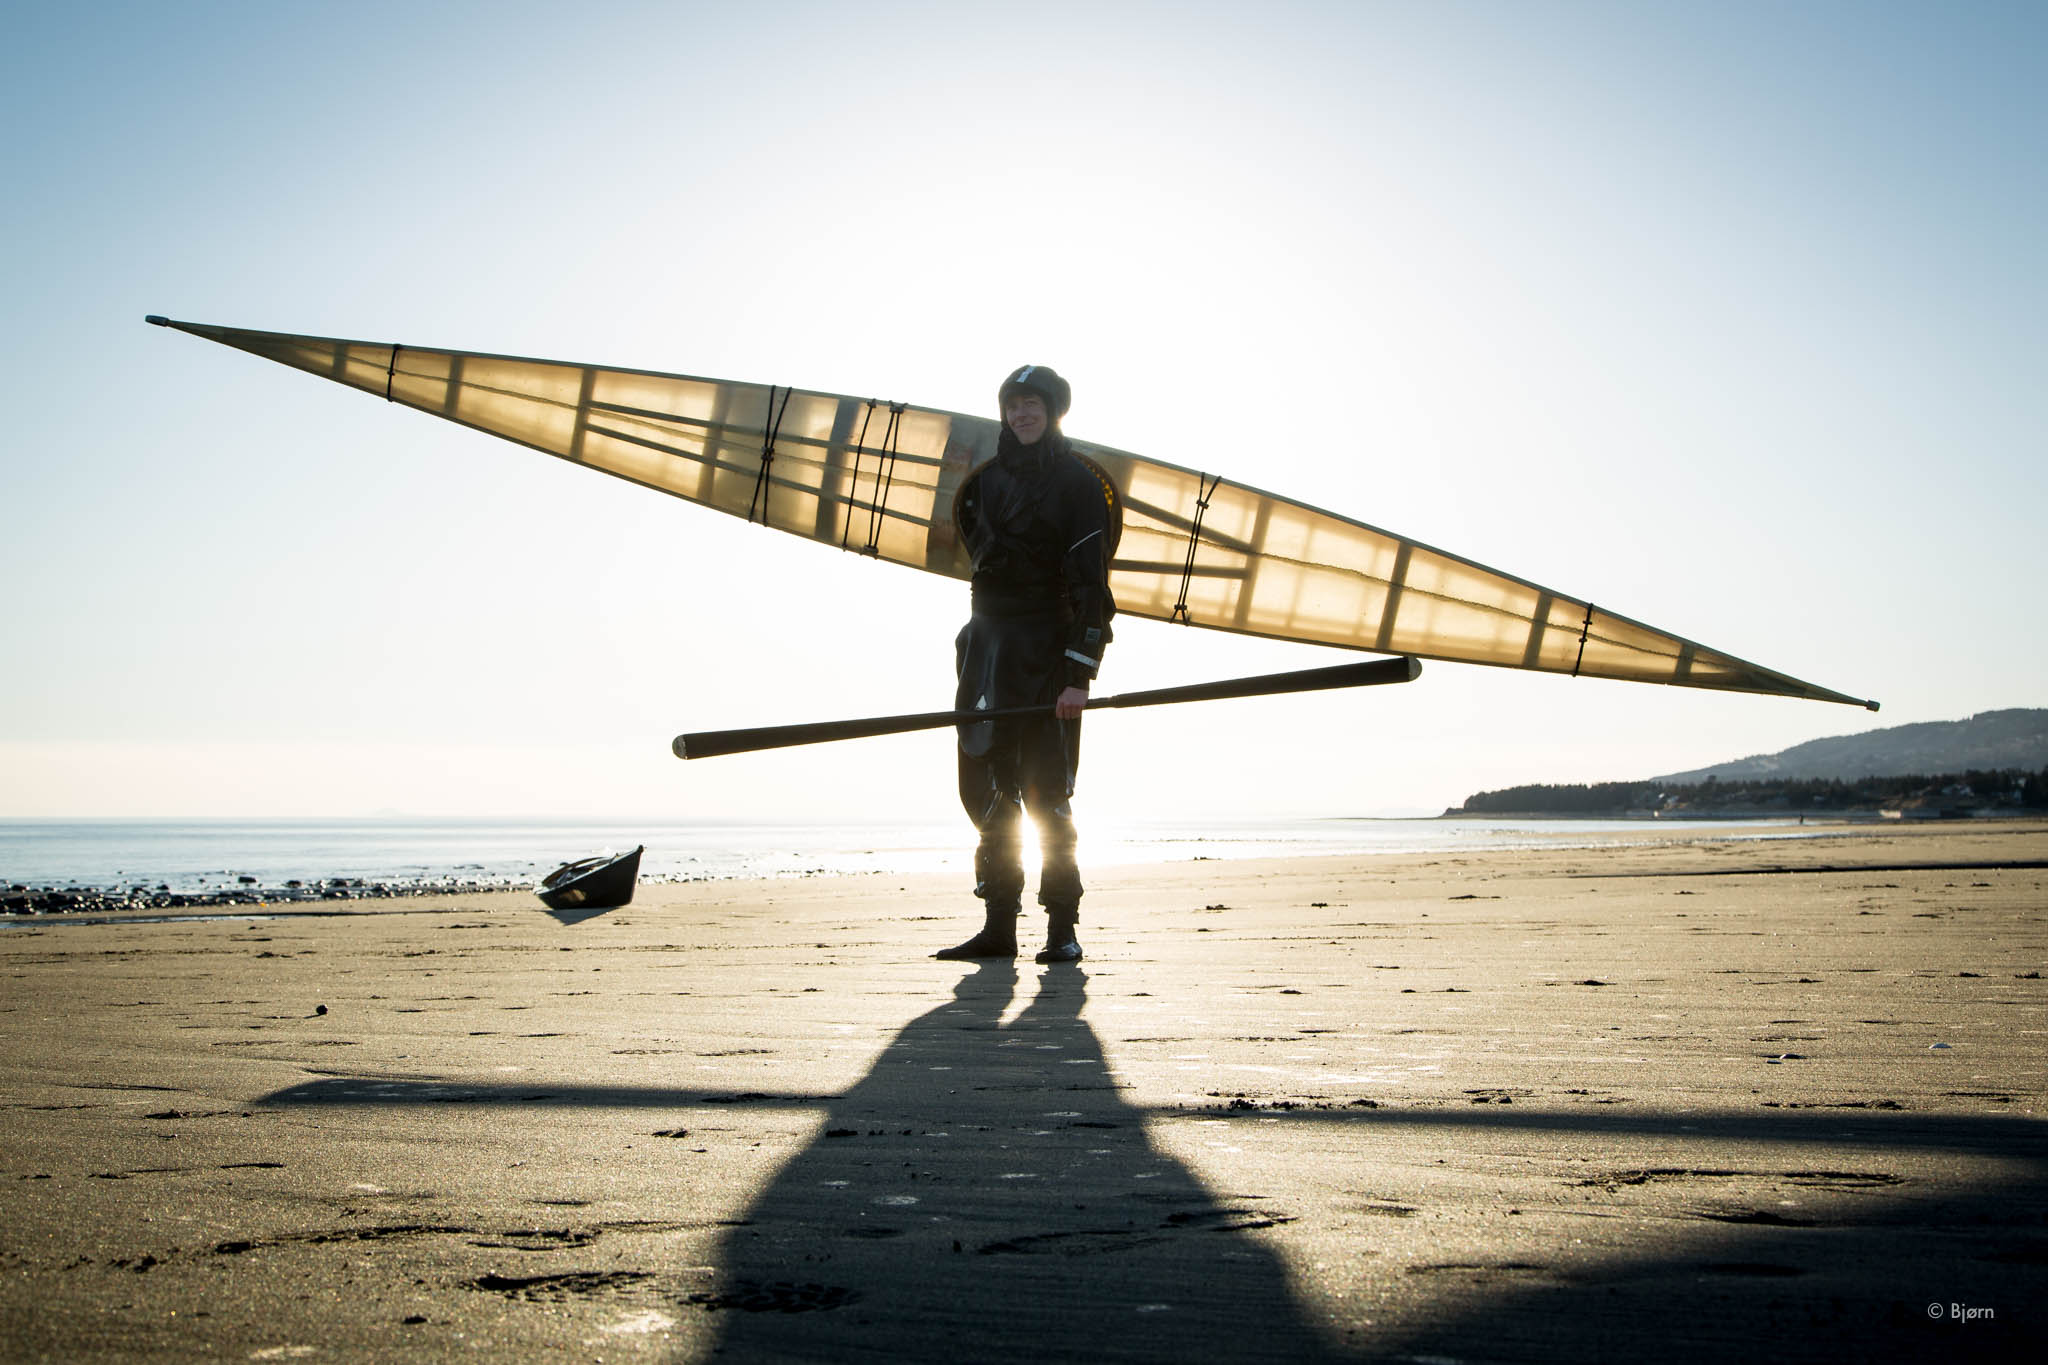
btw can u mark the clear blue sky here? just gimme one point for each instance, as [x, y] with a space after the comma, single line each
[1728, 317]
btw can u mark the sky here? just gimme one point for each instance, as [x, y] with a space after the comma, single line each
[1729, 318]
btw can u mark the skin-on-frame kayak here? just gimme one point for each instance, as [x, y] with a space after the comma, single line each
[879, 479]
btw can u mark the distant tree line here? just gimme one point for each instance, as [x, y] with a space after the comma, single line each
[2012, 789]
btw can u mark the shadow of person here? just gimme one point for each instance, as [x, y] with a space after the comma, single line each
[984, 1193]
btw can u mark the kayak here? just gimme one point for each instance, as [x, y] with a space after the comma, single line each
[879, 479]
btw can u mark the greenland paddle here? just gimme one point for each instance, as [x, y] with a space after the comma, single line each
[711, 743]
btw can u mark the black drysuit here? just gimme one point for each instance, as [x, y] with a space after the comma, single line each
[1037, 522]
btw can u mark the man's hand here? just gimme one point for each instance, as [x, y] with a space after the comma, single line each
[1068, 707]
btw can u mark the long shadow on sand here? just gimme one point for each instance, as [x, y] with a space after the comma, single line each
[984, 1193]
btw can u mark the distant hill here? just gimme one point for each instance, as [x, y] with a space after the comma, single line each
[1993, 763]
[1988, 741]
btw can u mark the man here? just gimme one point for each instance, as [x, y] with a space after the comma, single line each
[1037, 522]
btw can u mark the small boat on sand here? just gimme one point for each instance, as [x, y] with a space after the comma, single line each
[598, 883]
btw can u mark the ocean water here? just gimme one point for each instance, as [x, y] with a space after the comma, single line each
[208, 855]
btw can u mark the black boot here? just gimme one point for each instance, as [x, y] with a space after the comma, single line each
[1061, 943]
[997, 939]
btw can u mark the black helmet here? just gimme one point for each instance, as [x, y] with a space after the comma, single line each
[1042, 380]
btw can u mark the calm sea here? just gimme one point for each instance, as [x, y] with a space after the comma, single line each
[202, 855]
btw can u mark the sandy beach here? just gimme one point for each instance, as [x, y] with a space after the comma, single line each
[1707, 1099]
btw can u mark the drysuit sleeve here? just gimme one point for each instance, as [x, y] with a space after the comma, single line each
[1085, 570]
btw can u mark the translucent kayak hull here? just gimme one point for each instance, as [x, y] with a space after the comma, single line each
[879, 479]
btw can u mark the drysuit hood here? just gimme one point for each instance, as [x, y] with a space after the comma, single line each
[1042, 380]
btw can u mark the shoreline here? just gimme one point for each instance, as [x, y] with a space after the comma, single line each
[833, 852]
[26, 902]
[21, 903]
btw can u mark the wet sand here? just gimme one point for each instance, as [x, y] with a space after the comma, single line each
[1719, 1099]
